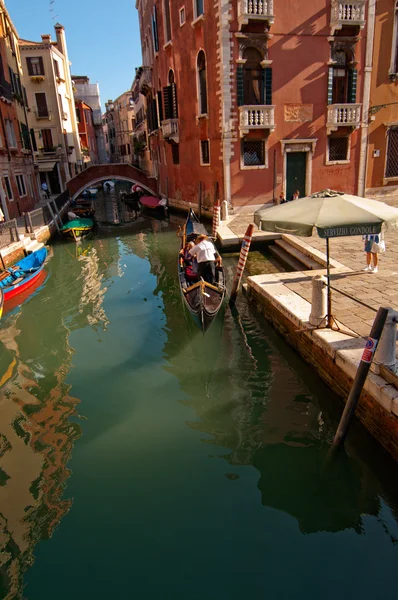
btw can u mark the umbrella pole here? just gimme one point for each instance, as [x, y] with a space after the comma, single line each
[329, 315]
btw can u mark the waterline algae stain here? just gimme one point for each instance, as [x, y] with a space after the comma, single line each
[141, 459]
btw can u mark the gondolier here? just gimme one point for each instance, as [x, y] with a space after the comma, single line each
[206, 257]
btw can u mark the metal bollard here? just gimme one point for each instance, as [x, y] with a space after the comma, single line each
[319, 300]
[386, 350]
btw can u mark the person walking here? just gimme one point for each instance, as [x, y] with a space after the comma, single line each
[45, 189]
[374, 245]
[206, 257]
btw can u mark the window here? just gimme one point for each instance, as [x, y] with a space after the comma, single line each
[392, 153]
[56, 68]
[170, 98]
[182, 16]
[35, 66]
[25, 136]
[202, 83]
[198, 8]
[254, 84]
[155, 36]
[47, 137]
[342, 79]
[42, 108]
[12, 141]
[205, 152]
[338, 149]
[175, 151]
[78, 114]
[7, 183]
[167, 21]
[21, 185]
[253, 153]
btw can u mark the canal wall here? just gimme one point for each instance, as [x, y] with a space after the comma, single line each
[334, 355]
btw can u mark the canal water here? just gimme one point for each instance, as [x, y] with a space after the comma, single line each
[140, 459]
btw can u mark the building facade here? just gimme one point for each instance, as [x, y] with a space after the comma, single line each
[18, 188]
[87, 133]
[90, 94]
[382, 167]
[251, 99]
[124, 127]
[52, 115]
[141, 153]
[109, 125]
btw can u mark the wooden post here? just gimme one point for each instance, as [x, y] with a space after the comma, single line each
[30, 222]
[53, 216]
[360, 378]
[216, 217]
[244, 251]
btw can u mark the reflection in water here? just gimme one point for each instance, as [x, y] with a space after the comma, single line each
[181, 428]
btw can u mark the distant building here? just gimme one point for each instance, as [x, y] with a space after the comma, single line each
[90, 94]
[18, 187]
[141, 154]
[106, 136]
[110, 143]
[87, 133]
[121, 116]
[52, 116]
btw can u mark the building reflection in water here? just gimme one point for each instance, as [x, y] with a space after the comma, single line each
[38, 425]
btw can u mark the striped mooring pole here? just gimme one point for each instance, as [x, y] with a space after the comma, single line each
[216, 217]
[244, 251]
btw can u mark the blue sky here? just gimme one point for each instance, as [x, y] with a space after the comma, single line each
[103, 37]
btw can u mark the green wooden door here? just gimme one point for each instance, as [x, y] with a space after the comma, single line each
[296, 173]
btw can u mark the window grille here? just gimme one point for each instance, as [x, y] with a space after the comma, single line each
[205, 152]
[338, 148]
[253, 153]
[392, 153]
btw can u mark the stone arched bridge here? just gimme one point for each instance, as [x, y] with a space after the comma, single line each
[97, 173]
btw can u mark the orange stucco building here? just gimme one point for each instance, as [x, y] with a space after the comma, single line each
[382, 170]
[254, 98]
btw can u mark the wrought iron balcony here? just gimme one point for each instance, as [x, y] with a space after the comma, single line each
[348, 14]
[170, 130]
[255, 10]
[256, 117]
[343, 115]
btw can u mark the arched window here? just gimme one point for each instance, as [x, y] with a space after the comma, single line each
[202, 83]
[253, 89]
[171, 77]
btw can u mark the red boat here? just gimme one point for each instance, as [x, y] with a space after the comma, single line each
[23, 274]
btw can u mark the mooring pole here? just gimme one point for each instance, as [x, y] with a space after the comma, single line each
[244, 251]
[360, 377]
[216, 217]
[200, 200]
[275, 177]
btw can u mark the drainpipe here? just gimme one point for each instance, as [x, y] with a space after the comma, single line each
[366, 98]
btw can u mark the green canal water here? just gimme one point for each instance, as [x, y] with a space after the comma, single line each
[140, 459]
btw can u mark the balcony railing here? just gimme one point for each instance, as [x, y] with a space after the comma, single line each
[348, 13]
[43, 114]
[344, 115]
[170, 130]
[256, 117]
[255, 10]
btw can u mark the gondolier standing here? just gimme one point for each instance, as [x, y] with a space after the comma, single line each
[206, 257]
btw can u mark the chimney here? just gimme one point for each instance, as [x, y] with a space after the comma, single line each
[61, 42]
[46, 39]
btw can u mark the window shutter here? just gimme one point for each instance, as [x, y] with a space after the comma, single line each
[11, 79]
[330, 85]
[33, 139]
[160, 106]
[155, 30]
[352, 86]
[155, 115]
[174, 101]
[168, 102]
[268, 85]
[29, 64]
[239, 84]
[41, 65]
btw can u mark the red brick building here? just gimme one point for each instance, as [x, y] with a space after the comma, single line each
[18, 186]
[258, 97]
[87, 133]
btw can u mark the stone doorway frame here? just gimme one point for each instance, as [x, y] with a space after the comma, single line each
[299, 145]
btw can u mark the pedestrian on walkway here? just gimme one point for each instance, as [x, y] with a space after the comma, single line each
[45, 189]
[295, 196]
[282, 198]
[1, 216]
[374, 245]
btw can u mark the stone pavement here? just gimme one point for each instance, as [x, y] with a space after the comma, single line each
[374, 290]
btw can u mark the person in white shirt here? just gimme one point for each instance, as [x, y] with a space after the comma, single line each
[206, 256]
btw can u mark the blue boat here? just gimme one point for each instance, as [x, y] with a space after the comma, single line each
[23, 274]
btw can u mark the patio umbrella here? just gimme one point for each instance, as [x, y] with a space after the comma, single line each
[332, 214]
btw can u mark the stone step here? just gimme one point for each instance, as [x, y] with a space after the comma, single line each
[286, 259]
[305, 260]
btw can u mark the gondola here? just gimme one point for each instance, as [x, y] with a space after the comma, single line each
[77, 228]
[23, 274]
[1, 302]
[202, 299]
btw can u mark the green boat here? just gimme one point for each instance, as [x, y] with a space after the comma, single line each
[78, 228]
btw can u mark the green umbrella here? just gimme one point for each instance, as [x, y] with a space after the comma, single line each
[331, 214]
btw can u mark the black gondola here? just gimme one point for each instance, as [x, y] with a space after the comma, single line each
[202, 299]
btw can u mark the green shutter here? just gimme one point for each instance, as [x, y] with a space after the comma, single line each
[160, 106]
[352, 86]
[174, 100]
[330, 85]
[239, 84]
[268, 86]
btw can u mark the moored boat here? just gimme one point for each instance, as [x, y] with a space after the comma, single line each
[1, 302]
[23, 274]
[156, 206]
[77, 228]
[202, 299]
